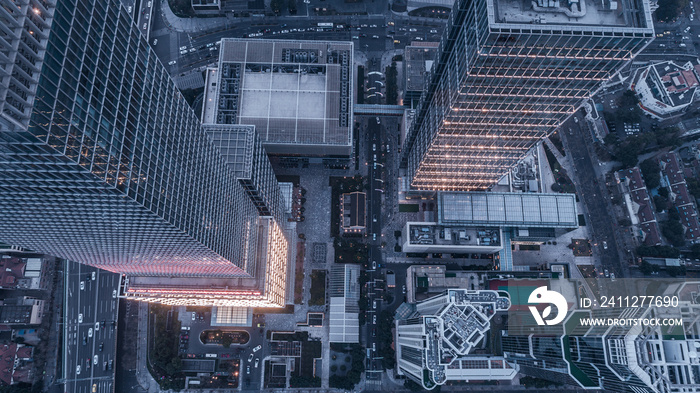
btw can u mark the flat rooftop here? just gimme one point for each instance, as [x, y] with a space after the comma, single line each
[453, 235]
[517, 209]
[419, 58]
[293, 92]
[608, 13]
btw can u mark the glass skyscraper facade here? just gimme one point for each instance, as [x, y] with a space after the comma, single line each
[103, 162]
[506, 75]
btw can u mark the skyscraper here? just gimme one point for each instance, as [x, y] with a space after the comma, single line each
[433, 342]
[636, 357]
[103, 162]
[507, 74]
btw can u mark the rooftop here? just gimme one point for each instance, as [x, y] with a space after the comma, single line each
[420, 233]
[508, 209]
[418, 58]
[293, 92]
[604, 13]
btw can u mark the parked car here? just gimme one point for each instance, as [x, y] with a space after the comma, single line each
[256, 349]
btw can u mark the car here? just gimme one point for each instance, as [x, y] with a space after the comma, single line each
[373, 26]
[82, 285]
[93, 276]
[250, 358]
[256, 349]
[102, 346]
[90, 332]
[247, 370]
[374, 332]
[606, 273]
[84, 339]
[114, 294]
[355, 37]
[433, 31]
[412, 30]
[128, 9]
[374, 319]
[94, 388]
[155, 42]
[94, 360]
[374, 264]
[374, 237]
[257, 362]
[192, 49]
[97, 326]
[605, 245]
[104, 366]
[80, 318]
[87, 363]
[150, 3]
[145, 25]
[374, 147]
[374, 218]
[378, 122]
[109, 365]
[612, 276]
[194, 316]
[102, 324]
[403, 289]
[374, 305]
[77, 370]
[419, 38]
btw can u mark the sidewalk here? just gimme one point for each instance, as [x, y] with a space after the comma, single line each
[142, 374]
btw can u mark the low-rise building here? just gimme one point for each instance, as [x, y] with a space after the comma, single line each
[353, 220]
[16, 363]
[639, 205]
[344, 293]
[665, 89]
[23, 310]
[674, 180]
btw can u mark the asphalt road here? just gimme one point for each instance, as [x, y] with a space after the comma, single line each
[88, 303]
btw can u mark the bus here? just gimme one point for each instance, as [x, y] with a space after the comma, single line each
[325, 25]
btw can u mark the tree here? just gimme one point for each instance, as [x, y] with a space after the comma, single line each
[391, 84]
[647, 268]
[693, 186]
[651, 172]
[669, 9]
[695, 250]
[673, 231]
[276, 6]
[661, 203]
[674, 271]
[663, 191]
[226, 340]
[658, 251]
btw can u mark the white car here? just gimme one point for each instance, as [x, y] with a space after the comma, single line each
[80, 318]
[94, 360]
[93, 276]
[183, 47]
[256, 349]
[250, 358]
[155, 42]
[412, 30]
[145, 25]
[128, 9]
[90, 332]
[114, 294]
[97, 326]
[194, 316]
[82, 285]
[77, 370]
[374, 265]
[374, 319]
[257, 362]
[172, 63]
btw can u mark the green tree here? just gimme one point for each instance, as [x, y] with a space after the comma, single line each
[391, 84]
[226, 340]
[674, 271]
[651, 172]
[658, 251]
[673, 231]
[670, 9]
[693, 186]
[661, 203]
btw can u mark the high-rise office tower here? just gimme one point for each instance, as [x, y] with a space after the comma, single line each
[433, 343]
[103, 162]
[506, 75]
[636, 357]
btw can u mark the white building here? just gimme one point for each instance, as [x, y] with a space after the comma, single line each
[433, 343]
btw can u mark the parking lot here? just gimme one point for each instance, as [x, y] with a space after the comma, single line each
[89, 334]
